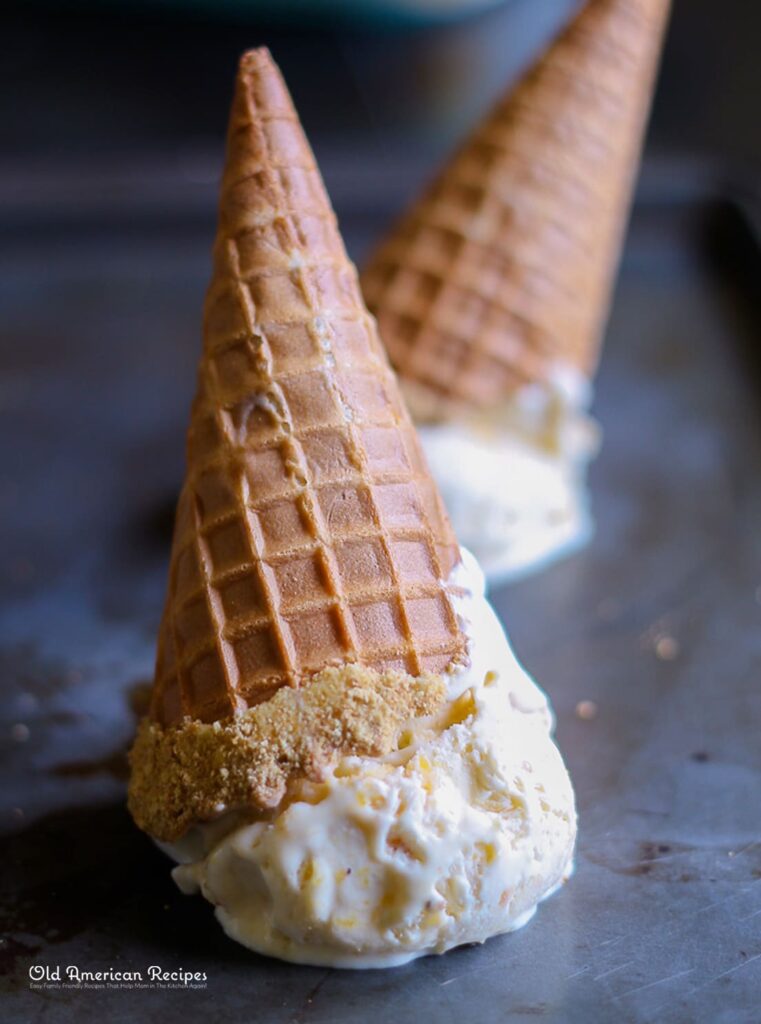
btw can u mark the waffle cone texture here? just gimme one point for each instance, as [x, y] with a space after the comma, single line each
[309, 533]
[503, 269]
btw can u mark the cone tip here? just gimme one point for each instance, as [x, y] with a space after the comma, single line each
[256, 58]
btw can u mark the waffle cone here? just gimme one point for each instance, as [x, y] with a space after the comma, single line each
[308, 533]
[503, 269]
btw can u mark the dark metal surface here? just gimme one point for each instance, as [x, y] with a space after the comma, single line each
[658, 624]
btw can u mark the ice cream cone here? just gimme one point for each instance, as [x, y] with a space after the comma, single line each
[309, 537]
[500, 275]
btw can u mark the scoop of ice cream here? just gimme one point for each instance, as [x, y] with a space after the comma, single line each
[513, 479]
[452, 838]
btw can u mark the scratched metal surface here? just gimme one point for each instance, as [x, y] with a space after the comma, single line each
[657, 623]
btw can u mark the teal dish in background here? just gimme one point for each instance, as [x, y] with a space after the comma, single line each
[391, 13]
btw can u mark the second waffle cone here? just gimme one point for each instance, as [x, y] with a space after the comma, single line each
[503, 270]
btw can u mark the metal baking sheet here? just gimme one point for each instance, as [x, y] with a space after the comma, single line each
[649, 643]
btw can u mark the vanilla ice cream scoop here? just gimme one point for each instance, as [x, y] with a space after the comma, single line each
[452, 838]
[513, 478]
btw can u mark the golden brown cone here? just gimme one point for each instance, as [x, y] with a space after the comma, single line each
[309, 532]
[504, 268]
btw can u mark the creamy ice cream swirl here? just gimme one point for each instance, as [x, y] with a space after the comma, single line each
[513, 478]
[452, 838]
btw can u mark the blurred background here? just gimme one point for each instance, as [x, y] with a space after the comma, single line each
[103, 100]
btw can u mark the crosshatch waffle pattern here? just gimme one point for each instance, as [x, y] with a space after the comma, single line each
[504, 267]
[309, 532]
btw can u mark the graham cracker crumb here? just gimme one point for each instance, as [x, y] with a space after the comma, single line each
[182, 774]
